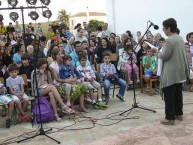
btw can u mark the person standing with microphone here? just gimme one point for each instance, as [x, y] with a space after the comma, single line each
[174, 72]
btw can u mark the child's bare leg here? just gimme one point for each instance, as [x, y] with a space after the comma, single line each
[91, 94]
[68, 100]
[147, 78]
[82, 103]
[99, 92]
[11, 108]
[18, 104]
[25, 104]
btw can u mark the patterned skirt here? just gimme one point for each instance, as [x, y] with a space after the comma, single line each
[76, 90]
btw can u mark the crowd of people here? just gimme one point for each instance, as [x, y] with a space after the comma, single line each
[67, 65]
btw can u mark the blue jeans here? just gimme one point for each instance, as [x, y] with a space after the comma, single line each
[119, 82]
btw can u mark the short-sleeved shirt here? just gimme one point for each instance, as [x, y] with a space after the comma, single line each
[18, 29]
[10, 29]
[54, 65]
[17, 58]
[153, 63]
[75, 61]
[15, 84]
[86, 71]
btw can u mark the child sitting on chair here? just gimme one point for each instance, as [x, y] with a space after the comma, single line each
[89, 81]
[109, 74]
[132, 60]
[4, 99]
[150, 63]
[16, 89]
[70, 75]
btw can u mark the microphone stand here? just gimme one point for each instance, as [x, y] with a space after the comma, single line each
[36, 93]
[135, 104]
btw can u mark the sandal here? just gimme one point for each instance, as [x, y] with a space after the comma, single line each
[85, 110]
[67, 111]
[130, 82]
[57, 118]
[68, 104]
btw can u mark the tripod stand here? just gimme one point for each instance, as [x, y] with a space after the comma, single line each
[135, 104]
[36, 93]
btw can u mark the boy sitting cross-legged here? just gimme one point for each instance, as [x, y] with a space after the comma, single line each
[89, 81]
[109, 74]
[16, 89]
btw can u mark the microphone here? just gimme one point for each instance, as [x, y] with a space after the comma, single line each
[156, 27]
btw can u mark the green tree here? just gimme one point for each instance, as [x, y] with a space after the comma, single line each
[63, 16]
[93, 24]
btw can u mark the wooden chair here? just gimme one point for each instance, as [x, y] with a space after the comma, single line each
[142, 77]
[113, 57]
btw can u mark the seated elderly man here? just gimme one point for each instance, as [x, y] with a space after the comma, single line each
[30, 50]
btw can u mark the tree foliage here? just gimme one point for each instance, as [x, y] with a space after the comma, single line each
[93, 24]
[63, 16]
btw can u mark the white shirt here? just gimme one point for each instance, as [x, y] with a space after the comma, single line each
[55, 66]
[101, 34]
[160, 64]
[87, 71]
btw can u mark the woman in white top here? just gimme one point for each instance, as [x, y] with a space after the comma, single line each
[78, 91]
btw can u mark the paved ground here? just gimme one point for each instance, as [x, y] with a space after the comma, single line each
[88, 136]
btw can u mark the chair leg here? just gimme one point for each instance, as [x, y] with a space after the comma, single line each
[113, 91]
[150, 88]
[141, 82]
[15, 115]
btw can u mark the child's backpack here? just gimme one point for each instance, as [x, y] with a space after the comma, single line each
[47, 113]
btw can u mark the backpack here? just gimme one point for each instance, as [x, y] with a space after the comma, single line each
[46, 109]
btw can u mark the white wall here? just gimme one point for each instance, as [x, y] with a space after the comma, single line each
[77, 20]
[133, 15]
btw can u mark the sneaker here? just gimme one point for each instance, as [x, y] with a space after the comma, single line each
[96, 106]
[138, 81]
[120, 97]
[20, 118]
[28, 118]
[102, 104]
[147, 87]
[8, 123]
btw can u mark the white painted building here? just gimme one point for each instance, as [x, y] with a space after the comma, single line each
[133, 15]
[86, 17]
